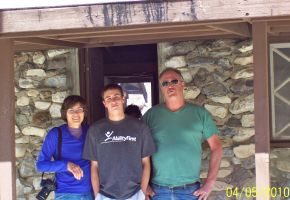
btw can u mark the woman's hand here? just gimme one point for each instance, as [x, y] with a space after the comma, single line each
[75, 170]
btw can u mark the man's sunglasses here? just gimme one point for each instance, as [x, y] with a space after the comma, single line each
[168, 83]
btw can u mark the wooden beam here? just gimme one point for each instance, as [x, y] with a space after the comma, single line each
[152, 41]
[277, 22]
[138, 30]
[262, 107]
[7, 121]
[113, 29]
[149, 37]
[50, 42]
[261, 87]
[125, 40]
[286, 34]
[279, 29]
[137, 40]
[94, 76]
[280, 144]
[279, 39]
[133, 13]
[33, 47]
[241, 29]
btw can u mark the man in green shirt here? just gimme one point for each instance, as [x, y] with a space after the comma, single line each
[178, 129]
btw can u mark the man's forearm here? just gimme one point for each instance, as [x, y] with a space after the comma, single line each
[145, 173]
[95, 177]
[214, 164]
[215, 159]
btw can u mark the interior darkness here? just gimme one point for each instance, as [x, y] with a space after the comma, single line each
[146, 53]
[130, 60]
[116, 64]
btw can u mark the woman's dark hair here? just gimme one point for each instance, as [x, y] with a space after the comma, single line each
[133, 111]
[71, 101]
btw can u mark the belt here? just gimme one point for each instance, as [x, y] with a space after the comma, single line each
[176, 187]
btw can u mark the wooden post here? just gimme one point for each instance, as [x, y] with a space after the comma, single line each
[94, 83]
[7, 121]
[262, 109]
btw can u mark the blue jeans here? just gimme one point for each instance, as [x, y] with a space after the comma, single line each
[73, 196]
[184, 192]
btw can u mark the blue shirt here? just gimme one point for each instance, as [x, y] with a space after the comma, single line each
[71, 151]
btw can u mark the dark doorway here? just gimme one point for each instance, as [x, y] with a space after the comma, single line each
[134, 67]
[138, 90]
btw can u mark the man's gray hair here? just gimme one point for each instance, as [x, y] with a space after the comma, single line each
[170, 69]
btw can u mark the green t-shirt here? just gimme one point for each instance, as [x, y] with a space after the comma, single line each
[178, 137]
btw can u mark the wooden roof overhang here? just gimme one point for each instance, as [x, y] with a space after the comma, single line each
[141, 22]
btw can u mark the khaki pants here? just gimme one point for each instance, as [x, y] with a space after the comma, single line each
[138, 196]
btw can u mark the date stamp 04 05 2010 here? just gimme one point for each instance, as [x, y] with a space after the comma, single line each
[252, 192]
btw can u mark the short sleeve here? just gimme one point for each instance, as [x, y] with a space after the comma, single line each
[209, 126]
[90, 147]
[148, 146]
[146, 117]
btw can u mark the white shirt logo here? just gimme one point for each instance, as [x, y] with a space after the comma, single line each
[108, 134]
[110, 139]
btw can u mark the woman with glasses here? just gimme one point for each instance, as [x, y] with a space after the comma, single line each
[72, 172]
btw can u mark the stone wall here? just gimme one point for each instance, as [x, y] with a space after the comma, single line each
[280, 170]
[42, 80]
[219, 76]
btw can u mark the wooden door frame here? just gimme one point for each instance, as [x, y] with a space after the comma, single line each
[7, 121]
[262, 109]
[92, 81]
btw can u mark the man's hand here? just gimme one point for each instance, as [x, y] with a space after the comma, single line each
[149, 192]
[147, 197]
[75, 170]
[145, 176]
[215, 158]
[203, 192]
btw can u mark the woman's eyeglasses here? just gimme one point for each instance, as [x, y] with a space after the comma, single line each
[168, 83]
[75, 111]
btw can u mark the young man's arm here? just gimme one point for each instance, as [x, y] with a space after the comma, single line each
[215, 158]
[145, 174]
[95, 177]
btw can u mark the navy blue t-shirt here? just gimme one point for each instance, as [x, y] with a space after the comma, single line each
[119, 147]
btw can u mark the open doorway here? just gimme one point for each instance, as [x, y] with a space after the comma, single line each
[137, 90]
[134, 67]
